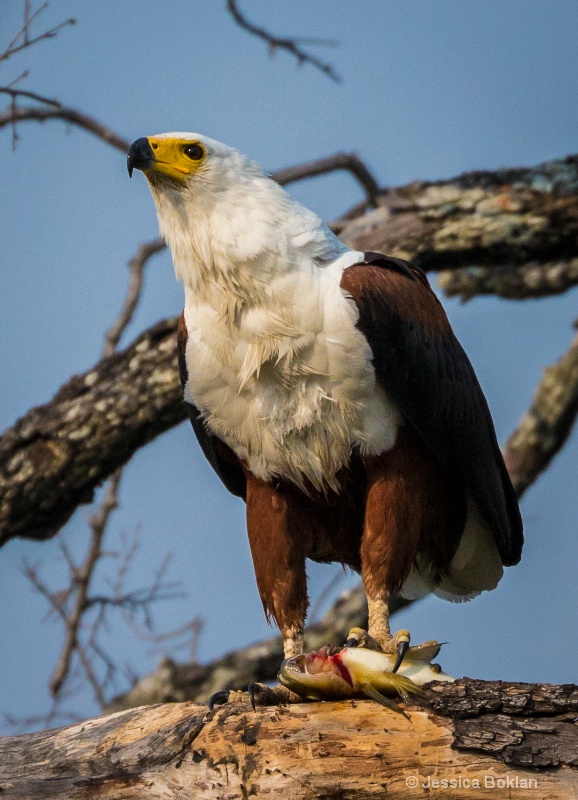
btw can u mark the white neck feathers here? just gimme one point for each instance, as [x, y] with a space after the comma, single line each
[240, 234]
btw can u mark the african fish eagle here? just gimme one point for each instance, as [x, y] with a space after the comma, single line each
[327, 388]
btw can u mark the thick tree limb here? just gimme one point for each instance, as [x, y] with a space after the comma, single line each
[547, 423]
[507, 217]
[55, 456]
[492, 737]
[511, 282]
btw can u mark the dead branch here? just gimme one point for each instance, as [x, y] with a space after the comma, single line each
[81, 584]
[52, 459]
[137, 266]
[503, 737]
[81, 577]
[23, 39]
[506, 218]
[547, 423]
[347, 161]
[290, 45]
[52, 109]
[15, 114]
[511, 282]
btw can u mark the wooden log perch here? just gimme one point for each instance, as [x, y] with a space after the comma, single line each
[471, 739]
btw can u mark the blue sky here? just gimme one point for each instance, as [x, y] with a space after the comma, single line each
[429, 90]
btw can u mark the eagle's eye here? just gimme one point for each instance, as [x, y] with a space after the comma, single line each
[194, 151]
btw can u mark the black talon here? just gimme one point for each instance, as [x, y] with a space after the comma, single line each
[218, 699]
[251, 689]
[352, 642]
[402, 649]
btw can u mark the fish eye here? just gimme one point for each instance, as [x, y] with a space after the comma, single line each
[193, 151]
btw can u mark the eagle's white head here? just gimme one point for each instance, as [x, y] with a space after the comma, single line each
[223, 219]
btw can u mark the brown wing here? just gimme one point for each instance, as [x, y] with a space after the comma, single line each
[422, 366]
[220, 456]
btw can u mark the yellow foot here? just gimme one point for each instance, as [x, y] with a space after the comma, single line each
[383, 642]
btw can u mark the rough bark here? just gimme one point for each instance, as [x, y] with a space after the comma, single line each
[56, 455]
[488, 737]
[502, 218]
[512, 282]
[546, 424]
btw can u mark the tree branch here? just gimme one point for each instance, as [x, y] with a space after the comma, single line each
[22, 39]
[81, 583]
[492, 220]
[291, 45]
[53, 110]
[547, 423]
[136, 266]
[81, 577]
[55, 456]
[511, 282]
[346, 161]
[521, 737]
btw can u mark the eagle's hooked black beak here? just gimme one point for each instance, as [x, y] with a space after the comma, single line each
[140, 155]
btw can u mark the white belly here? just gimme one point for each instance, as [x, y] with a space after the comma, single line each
[289, 383]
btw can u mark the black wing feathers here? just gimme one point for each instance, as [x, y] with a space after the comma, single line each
[422, 366]
[218, 454]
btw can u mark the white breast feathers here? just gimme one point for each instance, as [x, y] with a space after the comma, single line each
[288, 381]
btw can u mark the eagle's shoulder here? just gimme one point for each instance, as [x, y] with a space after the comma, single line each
[421, 364]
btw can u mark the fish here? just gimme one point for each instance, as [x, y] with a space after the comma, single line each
[339, 673]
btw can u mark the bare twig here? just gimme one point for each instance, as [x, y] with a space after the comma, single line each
[17, 93]
[22, 38]
[547, 424]
[16, 114]
[137, 266]
[291, 45]
[189, 633]
[82, 580]
[347, 161]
